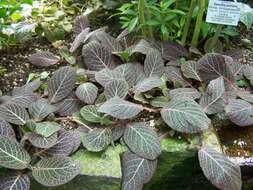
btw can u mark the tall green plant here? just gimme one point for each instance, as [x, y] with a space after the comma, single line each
[199, 21]
[188, 22]
[142, 13]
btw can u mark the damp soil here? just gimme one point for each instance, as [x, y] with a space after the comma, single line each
[17, 66]
[236, 141]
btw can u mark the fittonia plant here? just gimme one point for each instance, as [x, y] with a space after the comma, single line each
[41, 129]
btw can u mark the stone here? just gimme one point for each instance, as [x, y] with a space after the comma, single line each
[178, 169]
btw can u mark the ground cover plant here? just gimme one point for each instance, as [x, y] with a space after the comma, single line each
[124, 93]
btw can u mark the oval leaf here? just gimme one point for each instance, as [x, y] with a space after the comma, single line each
[189, 70]
[240, 112]
[43, 59]
[136, 171]
[91, 114]
[87, 92]
[6, 130]
[148, 84]
[97, 139]
[12, 155]
[64, 145]
[14, 113]
[61, 84]
[223, 173]
[184, 93]
[142, 140]
[212, 66]
[46, 129]
[55, 171]
[120, 109]
[15, 182]
[96, 57]
[212, 101]
[105, 76]
[80, 24]
[69, 105]
[117, 88]
[153, 65]
[40, 109]
[42, 142]
[185, 115]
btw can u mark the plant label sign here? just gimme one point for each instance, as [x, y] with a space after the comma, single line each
[223, 12]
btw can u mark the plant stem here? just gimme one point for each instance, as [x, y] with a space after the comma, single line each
[146, 32]
[152, 110]
[198, 23]
[216, 37]
[188, 22]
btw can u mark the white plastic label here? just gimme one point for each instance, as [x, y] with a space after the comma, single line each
[223, 12]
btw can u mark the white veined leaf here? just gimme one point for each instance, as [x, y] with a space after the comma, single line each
[245, 95]
[105, 76]
[240, 112]
[55, 171]
[117, 88]
[189, 70]
[87, 92]
[212, 101]
[136, 171]
[14, 113]
[6, 130]
[153, 65]
[128, 71]
[110, 43]
[97, 139]
[42, 142]
[248, 71]
[76, 140]
[15, 182]
[43, 59]
[235, 66]
[12, 155]
[211, 66]
[47, 128]
[185, 115]
[223, 173]
[69, 105]
[174, 74]
[90, 113]
[79, 39]
[61, 84]
[142, 140]
[29, 87]
[148, 84]
[64, 145]
[22, 99]
[142, 46]
[40, 109]
[120, 109]
[96, 57]
[80, 24]
[184, 93]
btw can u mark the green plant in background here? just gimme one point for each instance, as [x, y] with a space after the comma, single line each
[151, 17]
[173, 20]
[166, 19]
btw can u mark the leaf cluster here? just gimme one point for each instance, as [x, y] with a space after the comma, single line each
[126, 84]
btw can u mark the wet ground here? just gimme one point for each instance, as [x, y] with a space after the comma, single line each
[17, 66]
